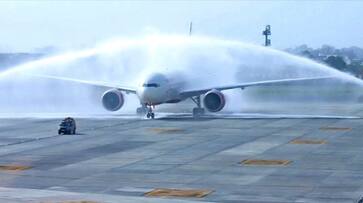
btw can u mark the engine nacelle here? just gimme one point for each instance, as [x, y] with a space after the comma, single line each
[113, 100]
[214, 101]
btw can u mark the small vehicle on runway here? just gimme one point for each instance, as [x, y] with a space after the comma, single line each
[67, 126]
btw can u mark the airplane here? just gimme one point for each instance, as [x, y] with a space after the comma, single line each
[158, 89]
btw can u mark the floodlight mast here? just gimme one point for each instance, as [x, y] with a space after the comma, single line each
[267, 33]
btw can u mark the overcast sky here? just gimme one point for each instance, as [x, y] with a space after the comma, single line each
[27, 25]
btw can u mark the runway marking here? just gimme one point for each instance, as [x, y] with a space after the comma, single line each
[14, 167]
[166, 130]
[165, 192]
[316, 142]
[264, 162]
[335, 128]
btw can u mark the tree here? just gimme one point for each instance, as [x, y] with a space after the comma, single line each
[307, 54]
[327, 50]
[356, 68]
[336, 62]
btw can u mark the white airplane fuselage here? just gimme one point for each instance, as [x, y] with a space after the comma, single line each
[157, 89]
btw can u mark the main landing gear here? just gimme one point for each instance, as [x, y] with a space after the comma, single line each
[146, 110]
[198, 111]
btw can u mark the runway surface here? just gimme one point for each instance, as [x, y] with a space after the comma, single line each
[236, 158]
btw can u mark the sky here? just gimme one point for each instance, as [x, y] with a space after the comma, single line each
[32, 25]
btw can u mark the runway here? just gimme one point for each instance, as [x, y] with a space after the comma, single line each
[241, 158]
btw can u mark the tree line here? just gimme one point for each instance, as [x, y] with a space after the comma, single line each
[348, 60]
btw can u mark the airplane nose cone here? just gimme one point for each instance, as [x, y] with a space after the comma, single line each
[149, 96]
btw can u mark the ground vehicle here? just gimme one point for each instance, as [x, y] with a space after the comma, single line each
[67, 126]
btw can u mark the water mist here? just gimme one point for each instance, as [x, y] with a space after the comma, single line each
[198, 61]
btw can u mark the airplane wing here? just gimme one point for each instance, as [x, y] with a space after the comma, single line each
[197, 92]
[89, 82]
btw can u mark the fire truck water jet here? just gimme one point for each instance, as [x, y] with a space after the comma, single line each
[197, 60]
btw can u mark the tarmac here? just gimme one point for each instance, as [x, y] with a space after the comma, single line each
[223, 158]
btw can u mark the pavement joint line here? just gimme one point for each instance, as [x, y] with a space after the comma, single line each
[114, 125]
[297, 180]
[308, 142]
[149, 158]
[265, 136]
[325, 119]
[39, 176]
[218, 171]
[41, 139]
[165, 153]
[54, 136]
[39, 195]
[70, 201]
[27, 141]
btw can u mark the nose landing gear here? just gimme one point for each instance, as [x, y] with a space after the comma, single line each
[146, 110]
[150, 113]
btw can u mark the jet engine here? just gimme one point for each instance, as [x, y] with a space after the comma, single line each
[214, 101]
[113, 100]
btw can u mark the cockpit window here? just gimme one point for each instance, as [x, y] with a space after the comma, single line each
[151, 85]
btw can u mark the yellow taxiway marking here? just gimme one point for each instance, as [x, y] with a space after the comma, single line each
[166, 130]
[165, 192]
[335, 128]
[14, 168]
[263, 162]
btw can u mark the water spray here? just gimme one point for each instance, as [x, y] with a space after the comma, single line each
[199, 61]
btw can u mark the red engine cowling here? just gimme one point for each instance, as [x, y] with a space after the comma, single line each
[214, 101]
[113, 100]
